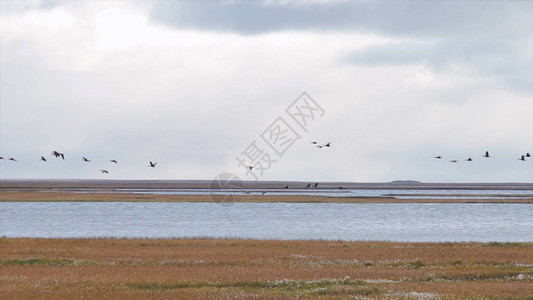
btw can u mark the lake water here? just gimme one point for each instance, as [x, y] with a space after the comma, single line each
[412, 222]
[396, 193]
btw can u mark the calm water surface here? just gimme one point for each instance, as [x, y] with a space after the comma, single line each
[431, 222]
[396, 193]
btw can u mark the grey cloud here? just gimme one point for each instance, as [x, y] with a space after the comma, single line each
[487, 36]
[436, 54]
[504, 59]
[412, 18]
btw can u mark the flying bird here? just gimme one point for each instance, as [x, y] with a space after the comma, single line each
[340, 188]
[1, 157]
[286, 186]
[453, 161]
[528, 155]
[104, 171]
[314, 143]
[469, 159]
[12, 159]
[437, 157]
[250, 167]
[327, 145]
[42, 158]
[85, 159]
[523, 158]
[152, 165]
[309, 185]
[114, 161]
[58, 154]
[316, 184]
[319, 146]
[487, 155]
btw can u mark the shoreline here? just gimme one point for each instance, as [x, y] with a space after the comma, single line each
[81, 190]
[205, 184]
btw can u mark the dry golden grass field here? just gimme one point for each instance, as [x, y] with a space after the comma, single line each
[39, 196]
[243, 269]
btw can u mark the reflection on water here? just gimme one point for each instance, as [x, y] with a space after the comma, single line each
[432, 222]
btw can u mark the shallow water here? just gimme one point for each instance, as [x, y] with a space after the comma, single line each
[396, 193]
[413, 222]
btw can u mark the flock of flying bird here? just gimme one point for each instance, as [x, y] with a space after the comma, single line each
[151, 164]
[57, 154]
[321, 146]
[486, 155]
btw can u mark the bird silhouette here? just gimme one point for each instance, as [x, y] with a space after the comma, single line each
[316, 184]
[487, 155]
[327, 145]
[340, 188]
[469, 159]
[250, 167]
[12, 159]
[319, 146]
[1, 157]
[453, 161]
[314, 143]
[152, 165]
[42, 158]
[528, 155]
[308, 185]
[286, 186]
[523, 158]
[104, 171]
[114, 161]
[58, 154]
[437, 157]
[85, 159]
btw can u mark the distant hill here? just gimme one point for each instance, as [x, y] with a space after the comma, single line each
[405, 182]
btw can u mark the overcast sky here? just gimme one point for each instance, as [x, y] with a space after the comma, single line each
[191, 85]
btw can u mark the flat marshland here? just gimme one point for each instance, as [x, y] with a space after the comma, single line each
[228, 268]
[150, 191]
[26, 196]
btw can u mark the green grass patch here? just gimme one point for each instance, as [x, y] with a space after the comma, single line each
[317, 287]
[502, 244]
[38, 261]
[410, 264]
[473, 277]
